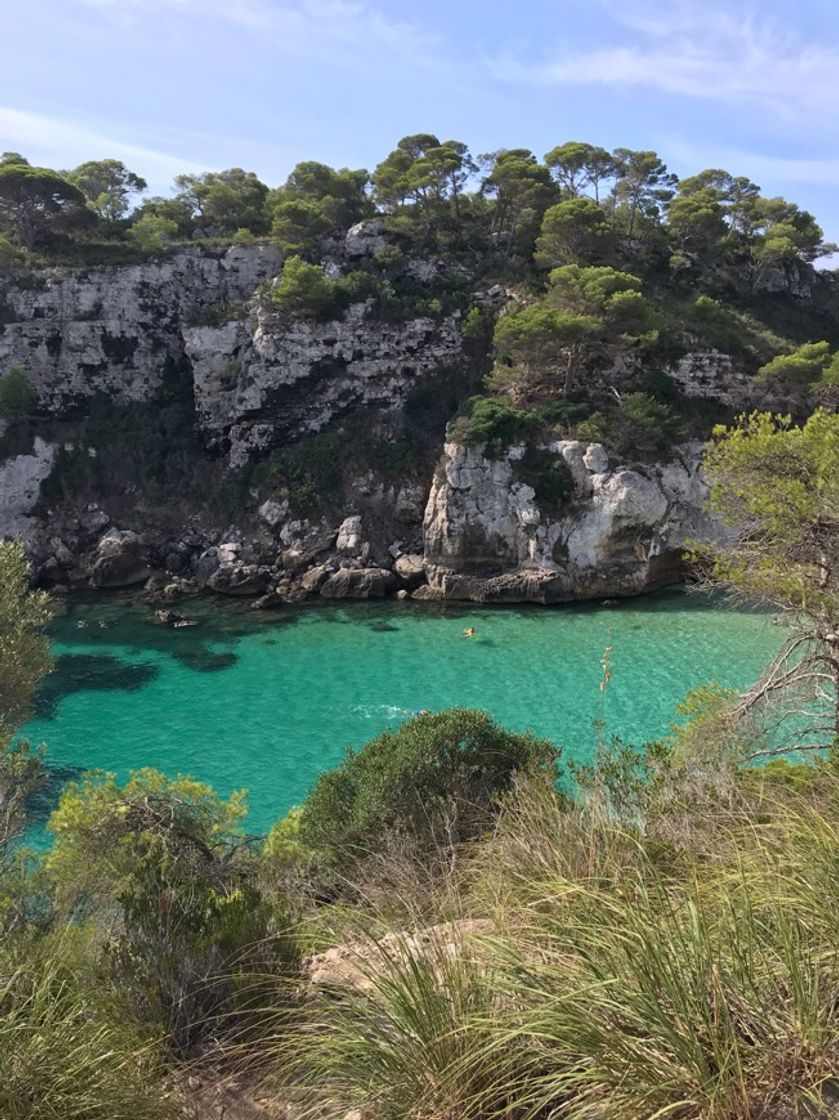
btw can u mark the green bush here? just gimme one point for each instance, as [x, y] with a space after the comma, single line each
[717, 325]
[489, 421]
[303, 290]
[306, 473]
[152, 233]
[68, 1051]
[548, 474]
[17, 397]
[436, 781]
[162, 871]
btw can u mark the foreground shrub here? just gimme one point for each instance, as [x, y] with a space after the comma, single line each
[438, 780]
[162, 871]
[408, 1031]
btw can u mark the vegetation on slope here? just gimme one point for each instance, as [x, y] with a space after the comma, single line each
[614, 267]
[655, 934]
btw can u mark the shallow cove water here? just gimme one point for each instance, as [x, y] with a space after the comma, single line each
[269, 701]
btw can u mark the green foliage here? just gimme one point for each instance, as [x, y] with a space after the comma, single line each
[10, 255]
[577, 167]
[522, 190]
[34, 201]
[299, 224]
[24, 650]
[587, 315]
[809, 365]
[152, 233]
[778, 486]
[107, 184]
[152, 447]
[303, 289]
[304, 473]
[161, 865]
[716, 324]
[316, 200]
[484, 420]
[24, 661]
[436, 781]
[646, 424]
[66, 1047]
[548, 474]
[17, 397]
[575, 231]
[422, 182]
[782, 482]
[697, 220]
[221, 202]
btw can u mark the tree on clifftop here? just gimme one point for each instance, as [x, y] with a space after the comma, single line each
[107, 185]
[32, 199]
[778, 487]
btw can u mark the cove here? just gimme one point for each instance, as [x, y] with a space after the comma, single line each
[269, 701]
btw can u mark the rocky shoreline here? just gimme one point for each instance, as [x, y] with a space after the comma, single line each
[483, 537]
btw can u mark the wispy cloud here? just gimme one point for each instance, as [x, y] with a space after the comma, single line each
[61, 143]
[297, 27]
[709, 51]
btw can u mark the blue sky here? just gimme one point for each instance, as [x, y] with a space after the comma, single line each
[173, 85]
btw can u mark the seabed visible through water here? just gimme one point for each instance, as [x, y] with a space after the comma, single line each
[267, 701]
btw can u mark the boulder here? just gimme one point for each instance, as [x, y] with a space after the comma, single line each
[349, 536]
[365, 238]
[358, 583]
[238, 579]
[314, 579]
[120, 560]
[273, 513]
[296, 559]
[410, 568]
[207, 565]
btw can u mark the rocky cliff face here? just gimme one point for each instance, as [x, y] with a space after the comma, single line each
[618, 531]
[79, 331]
[261, 381]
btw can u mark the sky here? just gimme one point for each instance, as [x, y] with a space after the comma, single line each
[190, 85]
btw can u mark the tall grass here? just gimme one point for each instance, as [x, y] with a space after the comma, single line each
[627, 978]
[66, 1051]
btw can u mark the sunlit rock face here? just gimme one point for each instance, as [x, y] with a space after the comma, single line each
[618, 531]
[266, 379]
[114, 329]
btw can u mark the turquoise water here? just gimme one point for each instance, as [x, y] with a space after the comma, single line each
[267, 702]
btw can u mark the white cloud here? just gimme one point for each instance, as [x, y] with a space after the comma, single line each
[61, 143]
[759, 167]
[297, 27]
[697, 50]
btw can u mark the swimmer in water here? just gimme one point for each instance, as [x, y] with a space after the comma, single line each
[470, 633]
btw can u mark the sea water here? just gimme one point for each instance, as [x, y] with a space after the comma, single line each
[267, 701]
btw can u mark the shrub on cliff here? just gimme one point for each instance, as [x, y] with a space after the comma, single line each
[17, 397]
[437, 781]
[303, 289]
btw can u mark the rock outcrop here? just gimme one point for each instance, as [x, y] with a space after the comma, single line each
[262, 380]
[619, 531]
[20, 486]
[112, 329]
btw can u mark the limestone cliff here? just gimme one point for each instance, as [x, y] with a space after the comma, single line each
[112, 329]
[618, 531]
[260, 381]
